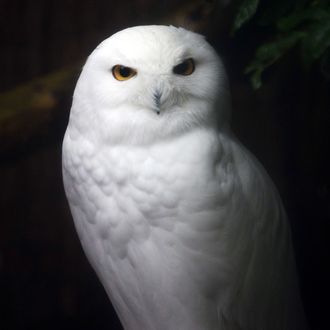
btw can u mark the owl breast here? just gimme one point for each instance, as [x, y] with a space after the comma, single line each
[146, 211]
[162, 186]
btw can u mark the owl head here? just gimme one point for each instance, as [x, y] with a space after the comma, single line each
[149, 83]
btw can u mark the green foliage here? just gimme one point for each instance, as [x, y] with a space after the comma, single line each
[245, 12]
[269, 53]
[301, 23]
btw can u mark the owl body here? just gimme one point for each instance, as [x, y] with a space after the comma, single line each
[182, 225]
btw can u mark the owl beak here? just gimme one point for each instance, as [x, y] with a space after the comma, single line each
[157, 96]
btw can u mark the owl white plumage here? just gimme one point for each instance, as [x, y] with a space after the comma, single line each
[180, 222]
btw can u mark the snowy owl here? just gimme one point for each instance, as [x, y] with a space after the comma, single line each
[180, 222]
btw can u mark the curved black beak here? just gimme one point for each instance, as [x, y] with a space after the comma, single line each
[157, 96]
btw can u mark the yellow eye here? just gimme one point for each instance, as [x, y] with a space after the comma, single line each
[121, 72]
[186, 68]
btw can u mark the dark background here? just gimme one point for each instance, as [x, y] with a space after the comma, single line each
[45, 280]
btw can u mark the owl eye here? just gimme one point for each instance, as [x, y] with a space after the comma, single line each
[121, 72]
[186, 68]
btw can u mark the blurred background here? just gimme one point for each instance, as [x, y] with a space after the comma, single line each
[45, 279]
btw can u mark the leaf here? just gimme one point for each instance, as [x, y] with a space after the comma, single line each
[256, 78]
[269, 53]
[292, 21]
[245, 12]
[316, 42]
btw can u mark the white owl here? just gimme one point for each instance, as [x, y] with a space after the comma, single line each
[180, 222]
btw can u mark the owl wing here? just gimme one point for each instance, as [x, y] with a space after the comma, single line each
[263, 293]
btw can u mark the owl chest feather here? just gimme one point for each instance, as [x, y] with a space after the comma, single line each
[149, 186]
[148, 210]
